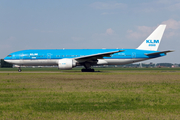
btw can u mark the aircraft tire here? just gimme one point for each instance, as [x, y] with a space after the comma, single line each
[19, 70]
[87, 70]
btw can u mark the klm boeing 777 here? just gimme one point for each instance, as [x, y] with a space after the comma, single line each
[66, 59]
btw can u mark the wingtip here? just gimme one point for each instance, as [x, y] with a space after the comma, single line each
[121, 50]
[171, 50]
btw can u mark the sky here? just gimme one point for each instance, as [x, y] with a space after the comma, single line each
[88, 24]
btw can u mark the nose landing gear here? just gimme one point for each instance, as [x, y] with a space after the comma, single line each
[19, 69]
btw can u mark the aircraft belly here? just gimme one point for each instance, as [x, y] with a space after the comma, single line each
[121, 61]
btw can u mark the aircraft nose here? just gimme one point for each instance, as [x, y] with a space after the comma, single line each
[8, 57]
[5, 58]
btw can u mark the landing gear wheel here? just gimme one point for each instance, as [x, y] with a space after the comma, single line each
[87, 70]
[19, 70]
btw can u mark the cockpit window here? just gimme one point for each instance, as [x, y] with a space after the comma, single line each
[9, 55]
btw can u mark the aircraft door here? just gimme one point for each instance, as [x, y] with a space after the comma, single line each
[21, 56]
[133, 55]
[49, 56]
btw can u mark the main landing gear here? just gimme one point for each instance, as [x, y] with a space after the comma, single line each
[87, 68]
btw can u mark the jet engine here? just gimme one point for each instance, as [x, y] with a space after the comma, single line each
[66, 64]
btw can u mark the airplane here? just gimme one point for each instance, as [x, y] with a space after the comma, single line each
[66, 59]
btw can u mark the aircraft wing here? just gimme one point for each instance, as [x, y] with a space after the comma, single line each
[158, 53]
[97, 56]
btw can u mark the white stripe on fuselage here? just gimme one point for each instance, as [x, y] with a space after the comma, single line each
[55, 62]
[33, 62]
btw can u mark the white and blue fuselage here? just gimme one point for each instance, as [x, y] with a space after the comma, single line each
[52, 56]
[69, 58]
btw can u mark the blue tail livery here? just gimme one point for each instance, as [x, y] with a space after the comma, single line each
[66, 59]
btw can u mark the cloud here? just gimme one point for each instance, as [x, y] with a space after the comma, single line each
[172, 24]
[108, 38]
[110, 5]
[109, 31]
[155, 6]
[173, 27]
[139, 33]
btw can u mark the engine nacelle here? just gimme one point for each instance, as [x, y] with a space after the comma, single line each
[66, 64]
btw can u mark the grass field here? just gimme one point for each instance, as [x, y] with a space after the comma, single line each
[109, 94]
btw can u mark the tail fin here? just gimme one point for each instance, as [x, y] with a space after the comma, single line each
[153, 41]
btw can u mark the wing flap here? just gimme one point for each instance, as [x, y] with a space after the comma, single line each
[158, 53]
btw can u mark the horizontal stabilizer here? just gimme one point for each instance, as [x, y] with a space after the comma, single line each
[158, 53]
